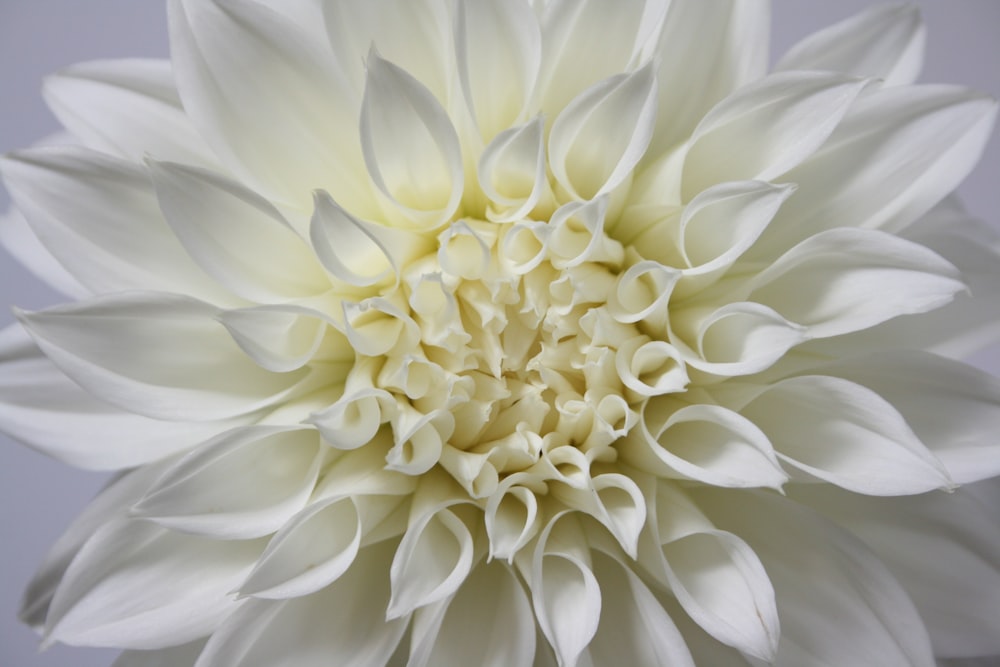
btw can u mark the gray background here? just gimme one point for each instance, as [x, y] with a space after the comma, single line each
[38, 496]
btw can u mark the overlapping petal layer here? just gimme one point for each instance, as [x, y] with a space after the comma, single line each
[512, 333]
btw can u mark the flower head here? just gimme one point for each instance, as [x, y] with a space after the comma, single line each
[512, 333]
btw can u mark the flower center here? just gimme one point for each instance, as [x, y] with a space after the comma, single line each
[515, 348]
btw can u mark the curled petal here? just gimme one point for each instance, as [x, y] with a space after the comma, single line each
[577, 235]
[707, 443]
[512, 518]
[736, 339]
[512, 172]
[283, 338]
[316, 546]
[564, 590]
[651, 368]
[419, 439]
[642, 293]
[599, 138]
[410, 146]
[432, 561]
[614, 500]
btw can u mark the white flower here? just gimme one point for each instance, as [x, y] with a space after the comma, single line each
[502, 333]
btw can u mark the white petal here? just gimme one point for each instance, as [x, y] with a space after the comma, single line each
[175, 656]
[316, 547]
[127, 108]
[284, 338]
[884, 42]
[634, 627]
[99, 218]
[953, 408]
[737, 339]
[343, 623]
[488, 622]
[110, 505]
[844, 586]
[498, 49]
[512, 518]
[707, 443]
[651, 368]
[706, 51]
[21, 243]
[897, 153]
[432, 561]
[597, 140]
[584, 42]
[564, 591]
[845, 279]
[719, 225]
[766, 128]
[236, 235]
[184, 581]
[246, 483]
[410, 146]
[243, 70]
[414, 32]
[614, 500]
[715, 576]
[512, 172]
[358, 252]
[943, 548]
[47, 411]
[845, 434]
[197, 372]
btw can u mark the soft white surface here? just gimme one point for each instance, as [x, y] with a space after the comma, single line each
[38, 497]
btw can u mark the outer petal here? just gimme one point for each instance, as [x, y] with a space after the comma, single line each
[344, 623]
[488, 622]
[110, 506]
[235, 235]
[824, 578]
[44, 409]
[246, 483]
[22, 244]
[127, 108]
[99, 218]
[244, 70]
[766, 128]
[844, 280]
[197, 372]
[845, 434]
[175, 656]
[584, 42]
[634, 629]
[885, 42]
[943, 548]
[953, 408]
[897, 153]
[498, 51]
[184, 581]
[706, 51]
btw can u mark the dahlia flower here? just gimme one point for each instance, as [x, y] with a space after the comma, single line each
[510, 333]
